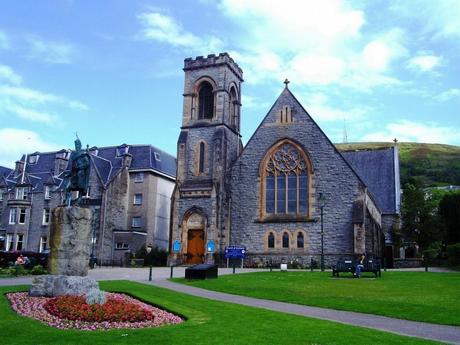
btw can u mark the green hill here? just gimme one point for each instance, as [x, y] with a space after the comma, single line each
[433, 164]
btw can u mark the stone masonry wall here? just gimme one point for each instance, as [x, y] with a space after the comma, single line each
[332, 177]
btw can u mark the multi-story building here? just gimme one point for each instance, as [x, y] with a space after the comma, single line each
[129, 192]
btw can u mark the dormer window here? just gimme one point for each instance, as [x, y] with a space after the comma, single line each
[122, 150]
[205, 101]
[33, 159]
[47, 192]
[157, 156]
[62, 155]
[21, 193]
[94, 151]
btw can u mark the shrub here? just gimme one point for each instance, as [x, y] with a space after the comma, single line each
[38, 270]
[17, 270]
[453, 254]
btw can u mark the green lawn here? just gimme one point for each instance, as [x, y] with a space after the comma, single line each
[208, 322]
[419, 296]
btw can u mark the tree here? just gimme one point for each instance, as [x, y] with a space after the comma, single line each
[419, 215]
[449, 211]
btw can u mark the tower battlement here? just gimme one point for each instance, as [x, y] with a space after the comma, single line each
[213, 60]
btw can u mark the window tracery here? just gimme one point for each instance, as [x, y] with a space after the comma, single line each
[286, 181]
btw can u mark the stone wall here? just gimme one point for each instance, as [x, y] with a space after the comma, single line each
[332, 177]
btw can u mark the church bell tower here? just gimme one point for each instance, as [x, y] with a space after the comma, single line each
[209, 142]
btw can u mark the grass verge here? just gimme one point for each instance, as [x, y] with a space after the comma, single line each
[208, 322]
[418, 296]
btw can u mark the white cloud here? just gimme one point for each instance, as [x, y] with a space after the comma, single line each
[8, 75]
[16, 142]
[318, 106]
[27, 94]
[4, 41]
[165, 29]
[78, 105]
[50, 52]
[424, 63]
[406, 130]
[439, 18]
[32, 115]
[312, 43]
[447, 95]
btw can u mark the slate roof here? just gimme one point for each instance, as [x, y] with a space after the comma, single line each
[106, 161]
[377, 170]
[4, 171]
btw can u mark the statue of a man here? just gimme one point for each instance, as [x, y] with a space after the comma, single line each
[78, 177]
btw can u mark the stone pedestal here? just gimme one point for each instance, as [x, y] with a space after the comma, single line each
[70, 241]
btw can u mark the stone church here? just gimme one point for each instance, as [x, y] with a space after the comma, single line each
[289, 194]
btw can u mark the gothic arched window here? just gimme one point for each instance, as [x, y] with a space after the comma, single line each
[201, 158]
[285, 240]
[300, 240]
[285, 180]
[271, 240]
[233, 108]
[205, 101]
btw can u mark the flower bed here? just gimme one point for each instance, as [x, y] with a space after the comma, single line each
[72, 312]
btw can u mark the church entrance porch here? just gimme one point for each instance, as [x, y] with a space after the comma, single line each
[195, 246]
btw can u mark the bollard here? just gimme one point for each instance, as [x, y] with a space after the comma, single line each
[171, 273]
[150, 273]
[426, 265]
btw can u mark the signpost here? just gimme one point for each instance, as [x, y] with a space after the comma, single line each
[235, 252]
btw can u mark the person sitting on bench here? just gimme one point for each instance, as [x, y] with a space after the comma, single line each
[359, 266]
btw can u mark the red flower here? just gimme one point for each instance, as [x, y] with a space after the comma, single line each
[114, 310]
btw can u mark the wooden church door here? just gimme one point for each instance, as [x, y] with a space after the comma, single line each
[195, 245]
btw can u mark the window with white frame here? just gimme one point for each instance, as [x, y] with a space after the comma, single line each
[47, 192]
[1, 193]
[138, 199]
[121, 245]
[22, 215]
[46, 216]
[136, 222]
[33, 159]
[19, 241]
[9, 242]
[13, 215]
[21, 193]
[139, 177]
[43, 244]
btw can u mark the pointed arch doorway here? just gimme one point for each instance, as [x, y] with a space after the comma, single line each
[195, 239]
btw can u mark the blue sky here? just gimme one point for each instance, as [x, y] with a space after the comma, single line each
[112, 70]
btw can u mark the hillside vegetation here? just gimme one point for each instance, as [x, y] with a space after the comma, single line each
[433, 164]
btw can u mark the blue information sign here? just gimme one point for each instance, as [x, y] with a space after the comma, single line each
[211, 247]
[176, 246]
[235, 252]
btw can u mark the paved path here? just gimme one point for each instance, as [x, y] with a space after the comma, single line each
[448, 334]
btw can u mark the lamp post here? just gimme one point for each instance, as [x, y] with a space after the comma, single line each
[322, 201]
[149, 249]
[93, 247]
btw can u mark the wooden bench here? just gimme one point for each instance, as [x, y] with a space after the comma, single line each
[350, 266]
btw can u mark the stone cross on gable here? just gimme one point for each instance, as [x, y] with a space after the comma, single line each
[286, 82]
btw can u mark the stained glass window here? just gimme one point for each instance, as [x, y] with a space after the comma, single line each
[286, 181]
